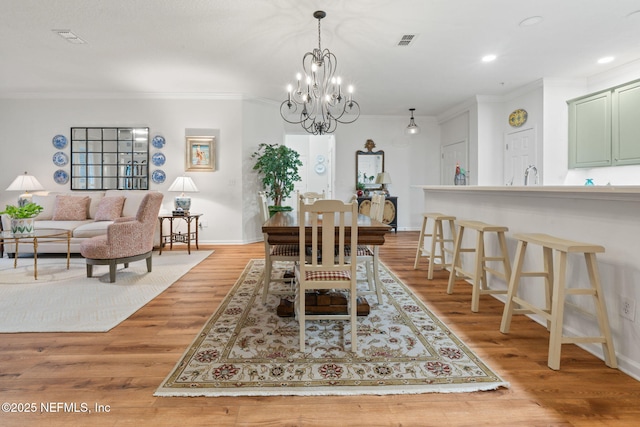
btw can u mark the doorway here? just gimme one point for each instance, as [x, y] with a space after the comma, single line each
[520, 151]
[317, 154]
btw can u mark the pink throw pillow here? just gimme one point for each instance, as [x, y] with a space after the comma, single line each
[109, 208]
[71, 208]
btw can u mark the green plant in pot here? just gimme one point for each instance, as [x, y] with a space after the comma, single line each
[278, 165]
[22, 217]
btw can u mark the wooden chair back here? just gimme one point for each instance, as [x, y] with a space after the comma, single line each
[377, 207]
[332, 224]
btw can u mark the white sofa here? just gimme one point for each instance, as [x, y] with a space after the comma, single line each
[80, 229]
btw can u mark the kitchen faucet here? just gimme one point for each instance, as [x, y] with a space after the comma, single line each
[526, 174]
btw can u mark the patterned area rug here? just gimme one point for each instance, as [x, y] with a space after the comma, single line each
[245, 349]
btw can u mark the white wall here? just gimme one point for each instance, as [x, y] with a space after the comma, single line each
[410, 160]
[227, 195]
[28, 125]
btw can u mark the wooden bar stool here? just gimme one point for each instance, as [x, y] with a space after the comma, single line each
[478, 276]
[438, 250]
[555, 291]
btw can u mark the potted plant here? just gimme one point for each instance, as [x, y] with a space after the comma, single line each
[278, 165]
[22, 217]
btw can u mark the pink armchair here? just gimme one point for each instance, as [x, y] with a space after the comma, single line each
[128, 239]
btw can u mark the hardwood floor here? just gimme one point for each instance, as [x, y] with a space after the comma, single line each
[121, 369]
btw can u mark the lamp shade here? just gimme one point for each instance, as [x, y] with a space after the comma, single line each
[183, 184]
[25, 183]
[383, 178]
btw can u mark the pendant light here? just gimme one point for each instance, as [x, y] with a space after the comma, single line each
[413, 128]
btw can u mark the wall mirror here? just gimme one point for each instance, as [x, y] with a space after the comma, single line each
[368, 165]
[109, 158]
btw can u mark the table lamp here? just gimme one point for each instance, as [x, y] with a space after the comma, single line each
[183, 184]
[384, 178]
[25, 183]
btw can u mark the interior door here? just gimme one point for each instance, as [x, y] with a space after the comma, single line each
[520, 152]
[450, 155]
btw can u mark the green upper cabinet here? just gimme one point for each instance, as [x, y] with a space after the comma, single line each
[626, 125]
[590, 131]
[604, 128]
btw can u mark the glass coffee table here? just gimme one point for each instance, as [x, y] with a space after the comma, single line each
[38, 236]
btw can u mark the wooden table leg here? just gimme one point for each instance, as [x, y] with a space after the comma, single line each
[35, 258]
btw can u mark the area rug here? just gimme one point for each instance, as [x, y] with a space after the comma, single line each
[64, 300]
[245, 349]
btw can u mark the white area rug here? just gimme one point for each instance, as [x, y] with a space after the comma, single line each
[64, 300]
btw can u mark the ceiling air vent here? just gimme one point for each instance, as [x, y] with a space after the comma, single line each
[69, 36]
[406, 39]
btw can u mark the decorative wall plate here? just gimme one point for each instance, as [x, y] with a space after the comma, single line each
[158, 159]
[319, 158]
[518, 118]
[59, 141]
[60, 159]
[158, 141]
[320, 168]
[60, 176]
[158, 176]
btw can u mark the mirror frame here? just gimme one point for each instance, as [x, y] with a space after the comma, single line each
[121, 156]
[373, 185]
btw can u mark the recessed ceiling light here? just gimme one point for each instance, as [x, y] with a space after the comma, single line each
[605, 60]
[489, 58]
[531, 21]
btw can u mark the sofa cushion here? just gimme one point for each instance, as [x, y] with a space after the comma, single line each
[61, 225]
[47, 201]
[132, 201]
[109, 208]
[71, 208]
[91, 229]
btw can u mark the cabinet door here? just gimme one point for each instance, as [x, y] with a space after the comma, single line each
[626, 125]
[590, 131]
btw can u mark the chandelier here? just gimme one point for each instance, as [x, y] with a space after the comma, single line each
[317, 103]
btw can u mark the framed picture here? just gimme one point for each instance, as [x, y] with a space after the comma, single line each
[201, 153]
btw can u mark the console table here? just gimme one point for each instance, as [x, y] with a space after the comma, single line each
[173, 237]
[390, 215]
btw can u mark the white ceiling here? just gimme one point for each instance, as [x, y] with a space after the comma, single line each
[255, 47]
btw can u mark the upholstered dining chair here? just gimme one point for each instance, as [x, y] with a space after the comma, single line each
[331, 223]
[274, 253]
[128, 239]
[369, 254]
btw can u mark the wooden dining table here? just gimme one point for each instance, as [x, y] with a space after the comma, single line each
[283, 229]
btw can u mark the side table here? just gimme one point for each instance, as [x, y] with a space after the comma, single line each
[178, 237]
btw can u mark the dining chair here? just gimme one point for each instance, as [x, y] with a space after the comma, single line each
[310, 196]
[273, 253]
[331, 223]
[369, 254]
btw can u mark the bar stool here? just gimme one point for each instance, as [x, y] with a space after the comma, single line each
[555, 291]
[479, 274]
[437, 242]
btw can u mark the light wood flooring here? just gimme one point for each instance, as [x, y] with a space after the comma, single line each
[122, 368]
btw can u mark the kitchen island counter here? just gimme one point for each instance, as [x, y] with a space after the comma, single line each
[603, 215]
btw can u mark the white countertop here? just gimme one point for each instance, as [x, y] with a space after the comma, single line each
[608, 192]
